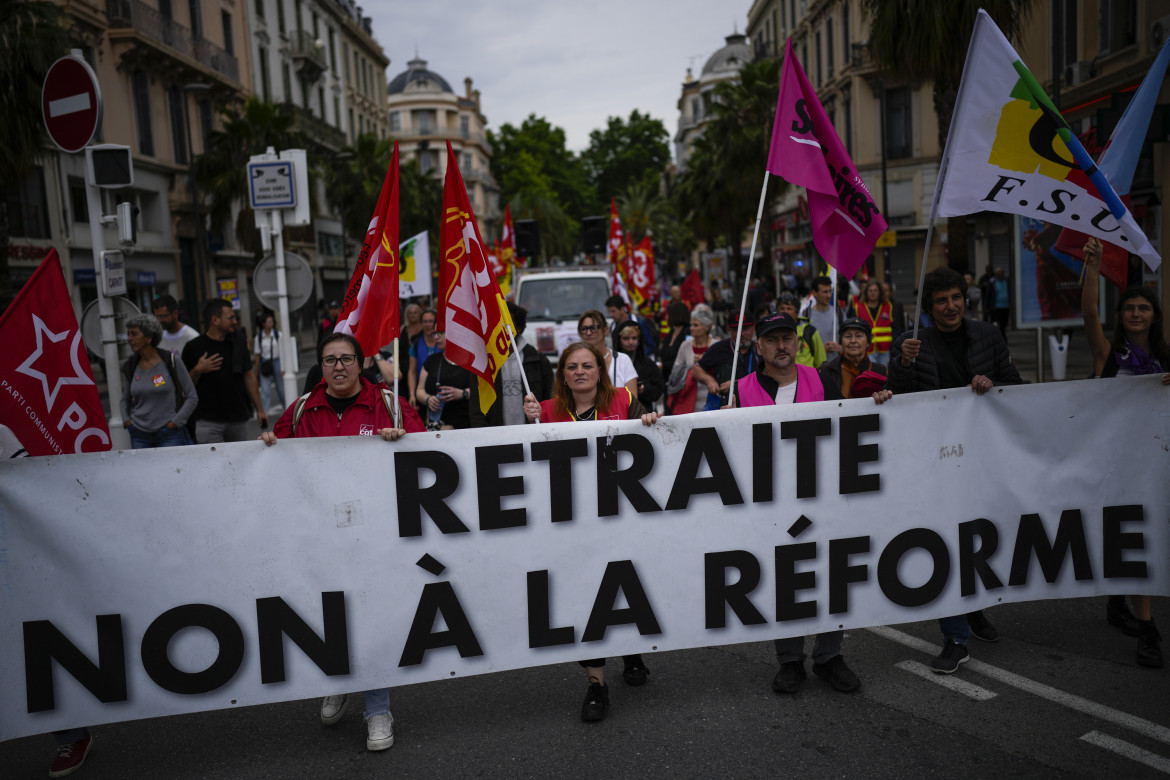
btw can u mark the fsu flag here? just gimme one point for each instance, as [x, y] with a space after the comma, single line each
[370, 310]
[807, 152]
[471, 309]
[641, 277]
[47, 394]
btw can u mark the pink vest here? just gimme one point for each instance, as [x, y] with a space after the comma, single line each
[808, 388]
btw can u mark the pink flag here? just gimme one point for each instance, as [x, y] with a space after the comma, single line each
[807, 152]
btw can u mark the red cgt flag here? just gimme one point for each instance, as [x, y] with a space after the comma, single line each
[641, 277]
[370, 310]
[47, 393]
[615, 252]
[471, 309]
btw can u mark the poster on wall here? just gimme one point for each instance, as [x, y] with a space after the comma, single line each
[229, 290]
[1047, 286]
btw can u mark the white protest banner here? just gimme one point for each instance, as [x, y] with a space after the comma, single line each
[153, 582]
[414, 266]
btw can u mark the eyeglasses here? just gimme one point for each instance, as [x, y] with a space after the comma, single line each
[333, 360]
[588, 328]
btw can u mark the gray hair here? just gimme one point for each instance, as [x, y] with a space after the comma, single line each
[703, 314]
[148, 326]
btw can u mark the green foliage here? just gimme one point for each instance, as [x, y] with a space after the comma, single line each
[626, 154]
[532, 162]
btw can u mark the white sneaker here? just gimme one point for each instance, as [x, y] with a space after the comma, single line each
[332, 708]
[380, 731]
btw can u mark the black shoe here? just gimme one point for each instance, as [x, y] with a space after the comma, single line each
[837, 674]
[789, 678]
[1149, 649]
[981, 627]
[596, 703]
[951, 656]
[1118, 614]
[636, 673]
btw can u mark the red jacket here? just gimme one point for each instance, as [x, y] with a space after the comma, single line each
[619, 408]
[364, 417]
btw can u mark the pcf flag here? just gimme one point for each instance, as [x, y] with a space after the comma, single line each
[47, 393]
[370, 309]
[1010, 150]
[1118, 162]
[471, 309]
[806, 151]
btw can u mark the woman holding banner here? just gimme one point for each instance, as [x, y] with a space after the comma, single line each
[584, 392]
[1138, 348]
[345, 404]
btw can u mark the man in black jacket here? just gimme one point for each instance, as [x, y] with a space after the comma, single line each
[953, 352]
[509, 386]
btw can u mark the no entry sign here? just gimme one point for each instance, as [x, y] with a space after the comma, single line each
[71, 103]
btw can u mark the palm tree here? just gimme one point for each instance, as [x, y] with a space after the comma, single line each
[641, 209]
[925, 40]
[221, 171]
[32, 37]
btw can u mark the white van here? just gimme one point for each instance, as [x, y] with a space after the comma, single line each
[555, 299]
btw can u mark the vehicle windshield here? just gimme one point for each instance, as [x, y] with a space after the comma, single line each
[563, 299]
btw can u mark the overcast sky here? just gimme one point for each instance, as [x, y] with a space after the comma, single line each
[573, 63]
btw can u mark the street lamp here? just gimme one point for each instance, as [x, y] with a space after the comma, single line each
[200, 239]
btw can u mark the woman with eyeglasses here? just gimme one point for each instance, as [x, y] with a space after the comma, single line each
[593, 329]
[346, 404]
[582, 392]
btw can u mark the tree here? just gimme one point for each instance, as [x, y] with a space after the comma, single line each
[221, 171]
[719, 190]
[924, 40]
[624, 154]
[532, 162]
[32, 37]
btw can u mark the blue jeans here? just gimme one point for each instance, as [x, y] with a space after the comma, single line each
[163, 437]
[268, 382]
[956, 628]
[377, 702]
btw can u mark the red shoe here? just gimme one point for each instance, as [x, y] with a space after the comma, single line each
[70, 757]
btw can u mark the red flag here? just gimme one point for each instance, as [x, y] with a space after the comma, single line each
[507, 241]
[47, 393]
[471, 309]
[692, 289]
[641, 276]
[615, 252]
[370, 309]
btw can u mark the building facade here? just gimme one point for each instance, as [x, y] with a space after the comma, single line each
[694, 104]
[425, 113]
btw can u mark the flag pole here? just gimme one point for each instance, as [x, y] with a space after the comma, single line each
[516, 352]
[833, 300]
[922, 278]
[743, 299]
[397, 398]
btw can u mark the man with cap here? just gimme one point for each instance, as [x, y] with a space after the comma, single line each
[842, 369]
[779, 379]
[714, 368]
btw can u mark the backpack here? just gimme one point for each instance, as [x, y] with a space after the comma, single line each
[299, 406]
[132, 363]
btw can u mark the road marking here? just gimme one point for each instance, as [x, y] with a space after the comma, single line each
[1072, 701]
[947, 681]
[1133, 752]
[69, 105]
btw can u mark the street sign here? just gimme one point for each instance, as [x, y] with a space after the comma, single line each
[299, 278]
[113, 273]
[270, 185]
[91, 327]
[71, 103]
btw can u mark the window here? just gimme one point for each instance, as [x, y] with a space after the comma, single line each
[77, 201]
[898, 129]
[321, 100]
[265, 87]
[329, 244]
[141, 89]
[165, 11]
[332, 50]
[196, 18]
[337, 112]
[345, 59]
[1117, 20]
[817, 49]
[259, 9]
[205, 126]
[424, 122]
[300, 20]
[229, 40]
[286, 81]
[175, 97]
[316, 26]
[424, 161]
[465, 126]
[352, 129]
[829, 44]
[845, 32]
[280, 22]
[357, 71]
[28, 208]
[395, 121]
[848, 138]
[1064, 33]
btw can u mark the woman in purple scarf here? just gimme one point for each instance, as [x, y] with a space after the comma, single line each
[1138, 348]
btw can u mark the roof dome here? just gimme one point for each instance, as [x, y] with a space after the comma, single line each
[417, 76]
[731, 57]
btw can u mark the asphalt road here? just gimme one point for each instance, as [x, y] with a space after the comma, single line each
[1059, 695]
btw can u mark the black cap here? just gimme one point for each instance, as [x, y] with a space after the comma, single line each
[774, 322]
[856, 324]
[748, 320]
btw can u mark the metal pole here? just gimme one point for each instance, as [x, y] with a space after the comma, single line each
[119, 439]
[286, 357]
[743, 299]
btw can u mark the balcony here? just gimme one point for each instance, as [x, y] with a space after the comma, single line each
[317, 130]
[308, 55]
[146, 24]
